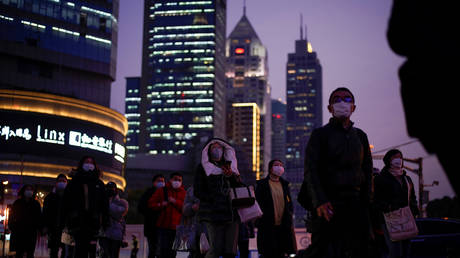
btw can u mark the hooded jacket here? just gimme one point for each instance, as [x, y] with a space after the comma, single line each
[211, 186]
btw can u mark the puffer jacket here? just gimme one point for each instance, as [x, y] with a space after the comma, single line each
[212, 187]
[117, 226]
[337, 159]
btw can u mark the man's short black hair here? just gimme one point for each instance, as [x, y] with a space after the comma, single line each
[175, 174]
[341, 89]
[61, 176]
[155, 177]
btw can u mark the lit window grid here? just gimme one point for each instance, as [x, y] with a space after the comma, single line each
[255, 135]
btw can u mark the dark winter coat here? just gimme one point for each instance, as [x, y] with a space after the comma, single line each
[212, 187]
[53, 217]
[265, 225]
[337, 159]
[86, 213]
[390, 194]
[25, 222]
[150, 215]
[213, 192]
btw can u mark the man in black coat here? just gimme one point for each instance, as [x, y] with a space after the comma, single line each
[150, 216]
[338, 169]
[53, 217]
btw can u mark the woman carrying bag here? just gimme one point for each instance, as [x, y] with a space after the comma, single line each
[394, 194]
[275, 236]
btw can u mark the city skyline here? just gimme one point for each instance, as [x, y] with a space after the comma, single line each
[350, 38]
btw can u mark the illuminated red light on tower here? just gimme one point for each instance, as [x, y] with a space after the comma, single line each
[239, 51]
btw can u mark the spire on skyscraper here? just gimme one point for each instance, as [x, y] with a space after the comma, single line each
[244, 8]
[301, 22]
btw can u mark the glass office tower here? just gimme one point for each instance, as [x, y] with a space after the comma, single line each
[132, 113]
[303, 112]
[182, 85]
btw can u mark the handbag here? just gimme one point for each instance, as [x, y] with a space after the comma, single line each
[204, 244]
[250, 213]
[242, 197]
[185, 238]
[400, 223]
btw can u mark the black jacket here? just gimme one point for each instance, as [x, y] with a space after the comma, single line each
[78, 217]
[337, 159]
[52, 212]
[25, 222]
[213, 192]
[150, 216]
[390, 195]
[265, 225]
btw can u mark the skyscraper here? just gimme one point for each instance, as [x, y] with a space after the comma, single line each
[182, 84]
[57, 62]
[279, 130]
[132, 113]
[247, 79]
[303, 111]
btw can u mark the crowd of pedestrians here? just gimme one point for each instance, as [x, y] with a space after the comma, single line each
[82, 217]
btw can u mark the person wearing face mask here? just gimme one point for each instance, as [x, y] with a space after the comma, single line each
[113, 236]
[217, 172]
[53, 217]
[275, 235]
[86, 207]
[25, 222]
[150, 215]
[168, 201]
[337, 175]
[393, 190]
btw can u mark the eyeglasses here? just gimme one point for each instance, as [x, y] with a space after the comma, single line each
[345, 99]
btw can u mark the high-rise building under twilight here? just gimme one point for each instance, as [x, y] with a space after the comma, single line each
[279, 130]
[247, 82]
[303, 111]
[57, 63]
[182, 84]
[132, 114]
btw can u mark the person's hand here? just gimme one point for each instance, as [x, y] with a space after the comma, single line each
[195, 206]
[171, 200]
[325, 210]
[164, 203]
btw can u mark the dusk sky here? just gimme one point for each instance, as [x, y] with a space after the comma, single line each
[349, 37]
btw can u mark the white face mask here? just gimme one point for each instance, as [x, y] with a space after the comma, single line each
[160, 184]
[61, 185]
[88, 167]
[176, 184]
[28, 193]
[341, 110]
[216, 153]
[278, 170]
[397, 163]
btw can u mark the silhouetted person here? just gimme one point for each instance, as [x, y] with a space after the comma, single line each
[25, 222]
[394, 190]
[338, 169]
[150, 215]
[86, 207]
[425, 32]
[53, 217]
[275, 235]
